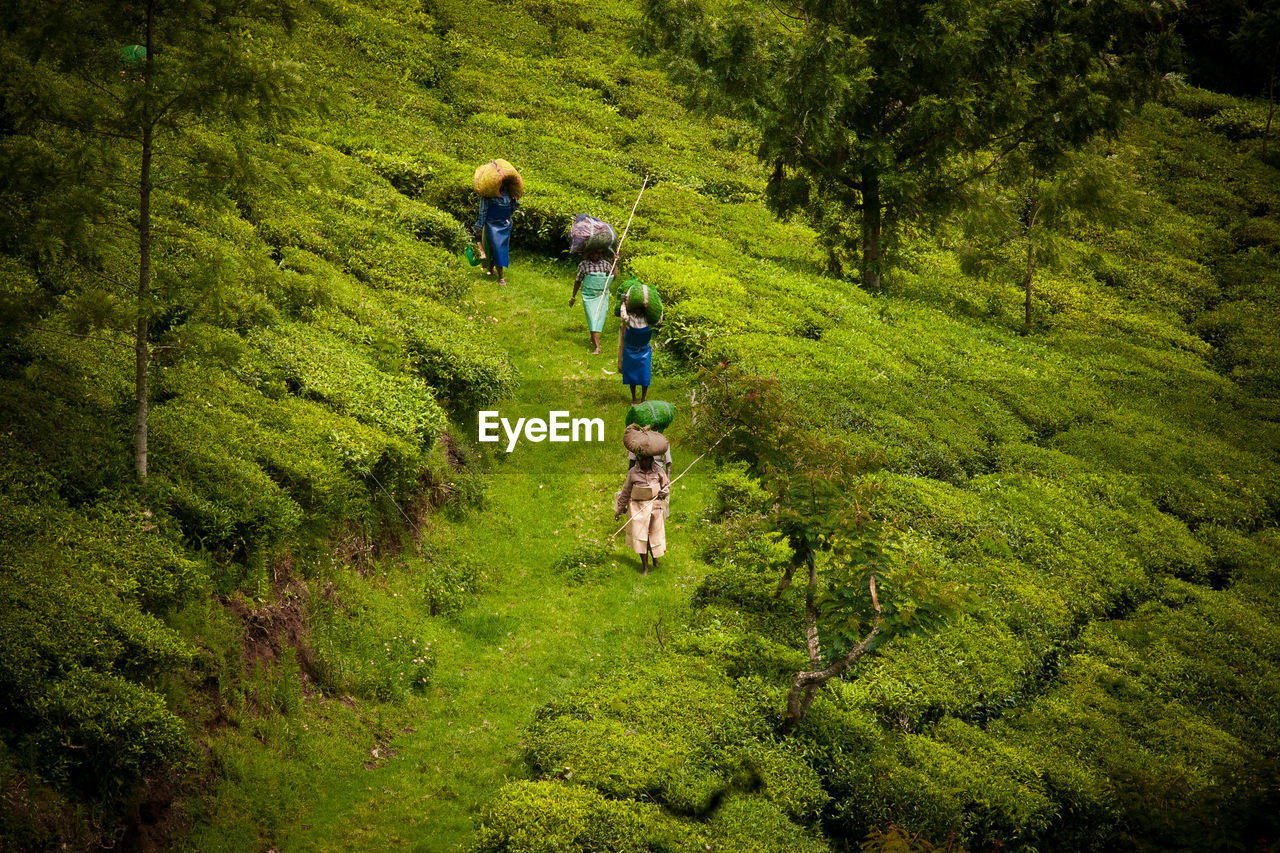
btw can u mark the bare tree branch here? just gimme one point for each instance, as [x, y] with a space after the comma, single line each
[806, 684]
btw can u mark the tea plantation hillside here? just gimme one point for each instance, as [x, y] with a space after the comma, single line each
[331, 620]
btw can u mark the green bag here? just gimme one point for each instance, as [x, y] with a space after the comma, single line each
[133, 54]
[472, 257]
[641, 297]
[654, 414]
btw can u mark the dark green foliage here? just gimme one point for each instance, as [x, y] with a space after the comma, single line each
[882, 111]
[1105, 489]
[301, 361]
[78, 655]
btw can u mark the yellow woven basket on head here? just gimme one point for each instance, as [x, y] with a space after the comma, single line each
[496, 175]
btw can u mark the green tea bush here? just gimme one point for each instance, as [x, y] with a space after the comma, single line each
[78, 655]
[464, 365]
[546, 817]
[123, 729]
[320, 367]
[432, 225]
[1239, 121]
[621, 737]
[408, 176]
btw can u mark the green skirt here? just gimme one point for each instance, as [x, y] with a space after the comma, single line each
[595, 299]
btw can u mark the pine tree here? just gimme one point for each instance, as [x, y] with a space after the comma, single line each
[95, 92]
[884, 110]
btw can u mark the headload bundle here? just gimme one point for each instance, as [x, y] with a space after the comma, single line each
[641, 299]
[498, 175]
[588, 234]
[654, 414]
[643, 441]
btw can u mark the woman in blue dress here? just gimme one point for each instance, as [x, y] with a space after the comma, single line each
[494, 225]
[635, 352]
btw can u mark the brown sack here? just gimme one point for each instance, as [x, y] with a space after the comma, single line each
[643, 441]
[492, 177]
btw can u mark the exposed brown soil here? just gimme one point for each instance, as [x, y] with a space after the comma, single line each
[272, 629]
[456, 460]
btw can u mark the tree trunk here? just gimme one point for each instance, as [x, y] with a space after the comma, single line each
[1033, 212]
[141, 348]
[806, 684]
[1271, 107]
[871, 224]
[812, 641]
[1026, 318]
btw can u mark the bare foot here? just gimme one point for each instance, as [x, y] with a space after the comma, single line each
[655, 562]
[596, 351]
[502, 281]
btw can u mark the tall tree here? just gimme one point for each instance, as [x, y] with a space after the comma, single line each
[1017, 217]
[94, 91]
[815, 498]
[876, 110]
[1256, 43]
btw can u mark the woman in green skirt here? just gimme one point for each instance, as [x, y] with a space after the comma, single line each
[593, 280]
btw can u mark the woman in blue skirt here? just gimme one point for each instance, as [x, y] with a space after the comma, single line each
[494, 225]
[635, 352]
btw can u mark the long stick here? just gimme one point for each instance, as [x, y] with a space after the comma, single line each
[676, 480]
[617, 254]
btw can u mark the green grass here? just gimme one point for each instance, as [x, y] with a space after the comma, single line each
[531, 636]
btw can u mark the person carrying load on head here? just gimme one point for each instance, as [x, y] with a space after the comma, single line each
[664, 460]
[656, 415]
[500, 188]
[635, 351]
[644, 498]
[593, 280]
[595, 240]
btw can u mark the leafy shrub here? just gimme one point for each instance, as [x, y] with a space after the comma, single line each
[78, 655]
[1238, 122]
[433, 226]
[584, 563]
[358, 656]
[453, 579]
[465, 366]
[321, 367]
[544, 817]
[406, 175]
[124, 730]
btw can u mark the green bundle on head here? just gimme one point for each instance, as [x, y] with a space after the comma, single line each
[641, 298]
[654, 414]
[132, 54]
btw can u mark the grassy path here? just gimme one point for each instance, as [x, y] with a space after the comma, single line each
[533, 634]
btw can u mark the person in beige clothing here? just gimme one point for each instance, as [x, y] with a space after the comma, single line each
[644, 496]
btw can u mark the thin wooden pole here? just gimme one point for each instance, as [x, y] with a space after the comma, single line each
[618, 252]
